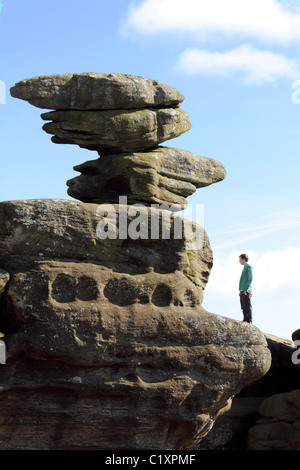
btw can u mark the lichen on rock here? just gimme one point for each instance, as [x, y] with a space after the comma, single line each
[87, 91]
[108, 344]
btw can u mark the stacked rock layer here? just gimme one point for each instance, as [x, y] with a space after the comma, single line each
[108, 344]
[124, 118]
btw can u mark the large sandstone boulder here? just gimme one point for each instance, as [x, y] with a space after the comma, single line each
[88, 91]
[160, 176]
[278, 423]
[278, 428]
[230, 431]
[106, 112]
[108, 346]
[116, 130]
[58, 229]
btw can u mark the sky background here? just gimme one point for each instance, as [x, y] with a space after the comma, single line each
[237, 62]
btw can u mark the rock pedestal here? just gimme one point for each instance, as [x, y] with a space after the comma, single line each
[108, 345]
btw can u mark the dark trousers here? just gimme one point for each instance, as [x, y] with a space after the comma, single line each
[246, 306]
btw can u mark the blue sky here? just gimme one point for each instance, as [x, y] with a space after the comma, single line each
[236, 62]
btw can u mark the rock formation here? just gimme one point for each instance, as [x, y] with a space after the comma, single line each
[148, 177]
[94, 91]
[4, 278]
[243, 426]
[277, 426]
[108, 345]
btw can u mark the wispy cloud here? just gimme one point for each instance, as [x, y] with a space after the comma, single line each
[254, 65]
[239, 235]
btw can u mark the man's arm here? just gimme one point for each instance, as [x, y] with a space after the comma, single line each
[249, 278]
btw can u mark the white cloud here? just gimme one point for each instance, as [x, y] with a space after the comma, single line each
[271, 21]
[277, 270]
[273, 271]
[268, 19]
[255, 65]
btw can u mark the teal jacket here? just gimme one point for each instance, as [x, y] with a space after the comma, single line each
[246, 278]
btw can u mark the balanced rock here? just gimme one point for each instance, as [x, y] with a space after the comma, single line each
[90, 91]
[160, 176]
[108, 346]
[106, 112]
[116, 130]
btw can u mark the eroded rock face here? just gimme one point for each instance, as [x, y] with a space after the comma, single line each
[230, 430]
[88, 91]
[278, 423]
[108, 345]
[158, 380]
[116, 130]
[104, 331]
[278, 428]
[4, 278]
[149, 177]
[59, 229]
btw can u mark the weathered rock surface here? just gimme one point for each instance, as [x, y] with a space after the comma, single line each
[163, 175]
[108, 346]
[4, 278]
[116, 130]
[90, 91]
[279, 425]
[60, 229]
[230, 430]
[278, 422]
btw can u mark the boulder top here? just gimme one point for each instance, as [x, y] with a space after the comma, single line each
[91, 91]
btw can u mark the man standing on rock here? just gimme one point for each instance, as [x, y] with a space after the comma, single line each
[245, 288]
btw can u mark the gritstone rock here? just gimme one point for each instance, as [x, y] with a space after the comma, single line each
[108, 345]
[106, 331]
[163, 175]
[116, 130]
[4, 278]
[125, 117]
[278, 428]
[89, 91]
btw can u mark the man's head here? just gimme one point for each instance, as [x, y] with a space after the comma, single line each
[243, 259]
